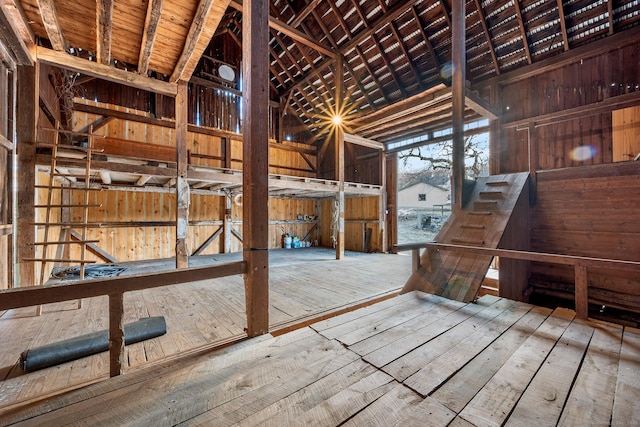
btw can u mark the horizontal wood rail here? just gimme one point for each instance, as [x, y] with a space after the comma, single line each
[115, 289]
[580, 263]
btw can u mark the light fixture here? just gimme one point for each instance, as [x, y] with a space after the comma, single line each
[337, 120]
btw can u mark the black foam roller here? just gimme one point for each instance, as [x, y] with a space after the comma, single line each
[86, 345]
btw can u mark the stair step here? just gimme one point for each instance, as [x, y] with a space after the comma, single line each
[496, 183]
[491, 195]
[473, 226]
[468, 242]
[485, 204]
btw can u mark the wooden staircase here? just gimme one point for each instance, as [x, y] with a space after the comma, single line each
[482, 222]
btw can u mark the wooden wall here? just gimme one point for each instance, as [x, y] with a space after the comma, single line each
[584, 82]
[361, 213]
[6, 133]
[593, 212]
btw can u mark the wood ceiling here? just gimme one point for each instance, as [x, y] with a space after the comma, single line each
[393, 50]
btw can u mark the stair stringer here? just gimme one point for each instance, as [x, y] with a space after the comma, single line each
[458, 275]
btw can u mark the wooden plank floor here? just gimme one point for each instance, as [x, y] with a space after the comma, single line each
[304, 284]
[412, 360]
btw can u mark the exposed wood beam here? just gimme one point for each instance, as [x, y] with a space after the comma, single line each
[207, 242]
[15, 32]
[182, 185]
[255, 165]
[154, 11]
[49, 16]
[4, 142]
[340, 18]
[188, 61]
[143, 180]
[102, 71]
[446, 12]
[480, 106]
[445, 138]
[394, 12]
[403, 108]
[95, 249]
[371, 72]
[358, 140]
[291, 32]
[425, 36]
[563, 25]
[104, 28]
[610, 15]
[604, 45]
[487, 34]
[458, 58]
[305, 12]
[523, 29]
[171, 182]
[405, 52]
[339, 162]
[358, 83]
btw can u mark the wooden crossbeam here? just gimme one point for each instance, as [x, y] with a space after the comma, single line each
[154, 11]
[104, 29]
[49, 16]
[16, 33]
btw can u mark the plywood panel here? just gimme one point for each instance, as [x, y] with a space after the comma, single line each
[626, 127]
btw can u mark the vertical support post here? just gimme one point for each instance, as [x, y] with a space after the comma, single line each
[182, 186]
[458, 90]
[255, 164]
[226, 146]
[382, 203]
[319, 221]
[116, 334]
[415, 260]
[533, 161]
[494, 134]
[281, 112]
[581, 292]
[26, 127]
[228, 205]
[392, 195]
[339, 159]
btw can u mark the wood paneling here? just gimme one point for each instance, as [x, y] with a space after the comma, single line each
[590, 215]
[626, 128]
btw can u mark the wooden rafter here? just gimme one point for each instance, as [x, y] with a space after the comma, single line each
[358, 83]
[394, 12]
[49, 16]
[563, 25]
[305, 12]
[487, 34]
[291, 32]
[610, 15]
[183, 70]
[341, 21]
[15, 32]
[523, 30]
[324, 28]
[425, 36]
[405, 52]
[154, 11]
[104, 28]
[389, 66]
[446, 12]
[371, 72]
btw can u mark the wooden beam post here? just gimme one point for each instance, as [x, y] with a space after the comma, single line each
[533, 162]
[458, 101]
[382, 203]
[581, 292]
[255, 165]
[339, 157]
[228, 206]
[182, 186]
[28, 108]
[116, 334]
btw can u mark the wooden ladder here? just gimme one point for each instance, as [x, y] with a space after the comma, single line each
[67, 235]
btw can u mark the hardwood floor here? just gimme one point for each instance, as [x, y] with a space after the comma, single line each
[304, 284]
[415, 359]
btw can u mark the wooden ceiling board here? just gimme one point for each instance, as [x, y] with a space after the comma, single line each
[32, 14]
[78, 21]
[173, 28]
[128, 25]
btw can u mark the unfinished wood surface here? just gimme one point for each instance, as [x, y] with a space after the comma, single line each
[304, 284]
[519, 367]
[459, 275]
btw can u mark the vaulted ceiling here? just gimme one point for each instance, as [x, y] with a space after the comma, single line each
[392, 50]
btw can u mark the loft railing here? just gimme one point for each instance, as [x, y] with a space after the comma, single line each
[115, 288]
[580, 263]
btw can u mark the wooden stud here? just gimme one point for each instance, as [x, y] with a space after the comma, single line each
[26, 126]
[458, 101]
[255, 205]
[581, 291]
[182, 186]
[116, 334]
